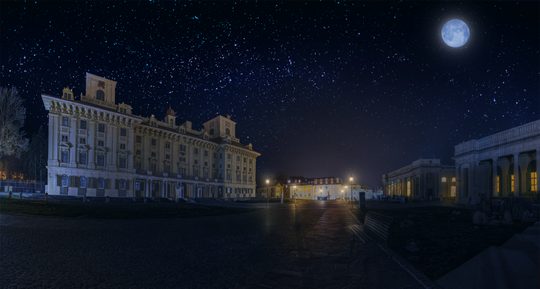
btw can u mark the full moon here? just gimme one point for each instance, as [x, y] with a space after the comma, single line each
[455, 33]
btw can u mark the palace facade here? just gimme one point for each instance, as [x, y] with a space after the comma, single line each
[423, 179]
[97, 147]
[504, 164]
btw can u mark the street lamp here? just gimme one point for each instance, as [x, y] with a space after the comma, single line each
[267, 181]
[351, 179]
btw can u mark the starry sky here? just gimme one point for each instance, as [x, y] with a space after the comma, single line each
[320, 88]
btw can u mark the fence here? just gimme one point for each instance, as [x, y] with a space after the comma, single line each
[17, 186]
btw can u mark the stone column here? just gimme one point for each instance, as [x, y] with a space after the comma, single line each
[130, 147]
[538, 170]
[91, 142]
[516, 174]
[164, 189]
[147, 188]
[112, 134]
[73, 132]
[53, 137]
[494, 177]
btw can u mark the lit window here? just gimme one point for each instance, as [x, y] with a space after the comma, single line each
[497, 184]
[453, 179]
[512, 183]
[443, 179]
[534, 184]
[408, 188]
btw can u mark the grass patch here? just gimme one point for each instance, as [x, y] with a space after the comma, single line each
[113, 210]
[438, 239]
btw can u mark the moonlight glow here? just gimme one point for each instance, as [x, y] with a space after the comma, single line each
[455, 33]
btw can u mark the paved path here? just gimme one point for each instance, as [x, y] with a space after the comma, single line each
[302, 246]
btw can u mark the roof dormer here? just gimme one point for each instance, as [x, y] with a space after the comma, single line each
[100, 91]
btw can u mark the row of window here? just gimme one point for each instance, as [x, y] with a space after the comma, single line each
[532, 181]
[83, 158]
[91, 182]
[83, 124]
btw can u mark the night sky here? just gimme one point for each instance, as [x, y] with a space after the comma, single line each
[320, 89]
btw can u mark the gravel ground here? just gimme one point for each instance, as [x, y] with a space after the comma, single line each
[302, 246]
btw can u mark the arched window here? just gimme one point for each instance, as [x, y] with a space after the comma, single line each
[100, 95]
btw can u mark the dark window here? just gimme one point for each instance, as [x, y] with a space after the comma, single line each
[83, 160]
[65, 121]
[83, 182]
[154, 141]
[122, 163]
[101, 183]
[100, 95]
[123, 132]
[82, 124]
[138, 139]
[101, 127]
[100, 160]
[64, 156]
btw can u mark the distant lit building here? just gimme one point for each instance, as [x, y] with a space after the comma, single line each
[272, 191]
[99, 148]
[423, 179]
[500, 165]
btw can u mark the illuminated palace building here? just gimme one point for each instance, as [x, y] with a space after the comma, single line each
[423, 179]
[99, 148]
[504, 164]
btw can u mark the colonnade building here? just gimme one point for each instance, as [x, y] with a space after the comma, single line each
[97, 147]
[500, 165]
[423, 179]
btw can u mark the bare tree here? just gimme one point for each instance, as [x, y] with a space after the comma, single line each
[35, 158]
[12, 116]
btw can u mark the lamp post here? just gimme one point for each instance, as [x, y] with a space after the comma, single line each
[267, 191]
[294, 194]
[351, 179]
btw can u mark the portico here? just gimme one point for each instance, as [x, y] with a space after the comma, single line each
[501, 165]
